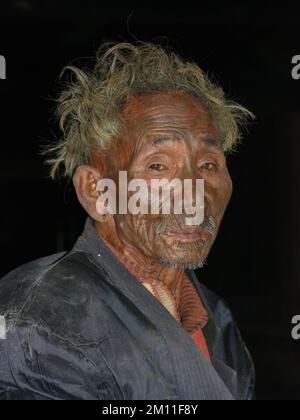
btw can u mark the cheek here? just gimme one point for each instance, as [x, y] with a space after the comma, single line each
[136, 228]
[133, 227]
[121, 225]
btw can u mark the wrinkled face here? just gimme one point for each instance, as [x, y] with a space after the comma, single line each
[171, 135]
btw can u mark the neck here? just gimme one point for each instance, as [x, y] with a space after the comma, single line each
[137, 263]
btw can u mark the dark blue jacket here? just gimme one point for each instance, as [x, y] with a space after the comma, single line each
[78, 325]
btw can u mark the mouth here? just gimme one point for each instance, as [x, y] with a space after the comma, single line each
[189, 234]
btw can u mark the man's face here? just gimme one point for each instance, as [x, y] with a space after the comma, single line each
[171, 135]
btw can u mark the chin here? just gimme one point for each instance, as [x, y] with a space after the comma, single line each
[185, 265]
[186, 259]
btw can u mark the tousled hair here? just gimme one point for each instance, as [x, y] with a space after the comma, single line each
[89, 106]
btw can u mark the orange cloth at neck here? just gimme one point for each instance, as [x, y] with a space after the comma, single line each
[189, 311]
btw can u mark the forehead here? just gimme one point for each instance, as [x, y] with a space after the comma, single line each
[170, 110]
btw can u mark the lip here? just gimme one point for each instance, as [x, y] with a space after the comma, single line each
[187, 234]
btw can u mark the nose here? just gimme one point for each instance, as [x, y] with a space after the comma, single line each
[190, 178]
[192, 195]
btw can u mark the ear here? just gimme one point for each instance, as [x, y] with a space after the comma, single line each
[85, 182]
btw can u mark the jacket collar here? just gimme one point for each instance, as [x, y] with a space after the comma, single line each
[91, 243]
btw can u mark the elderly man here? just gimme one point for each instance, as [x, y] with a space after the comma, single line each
[122, 315]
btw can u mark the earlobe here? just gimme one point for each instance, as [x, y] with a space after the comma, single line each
[92, 186]
[85, 182]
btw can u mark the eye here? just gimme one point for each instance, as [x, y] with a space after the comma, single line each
[208, 166]
[157, 167]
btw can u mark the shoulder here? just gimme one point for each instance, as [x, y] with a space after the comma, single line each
[17, 285]
[54, 319]
[58, 292]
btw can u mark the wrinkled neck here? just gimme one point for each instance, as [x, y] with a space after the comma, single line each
[138, 264]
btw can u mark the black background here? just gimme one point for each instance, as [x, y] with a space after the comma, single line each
[255, 262]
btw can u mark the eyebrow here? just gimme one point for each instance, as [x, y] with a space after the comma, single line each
[208, 141]
[211, 141]
[162, 139]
